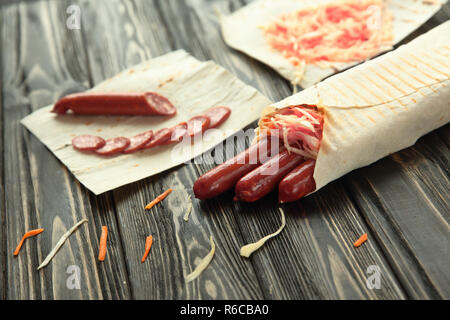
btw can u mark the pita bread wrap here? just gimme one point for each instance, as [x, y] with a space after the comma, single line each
[381, 106]
[242, 31]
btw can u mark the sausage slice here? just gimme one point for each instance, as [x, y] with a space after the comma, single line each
[114, 146]
[217, 116]
[88, 142]
[138, 141]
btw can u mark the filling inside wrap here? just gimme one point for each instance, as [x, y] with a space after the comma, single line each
[299, 128]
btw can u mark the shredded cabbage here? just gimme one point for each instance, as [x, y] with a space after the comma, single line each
[203, 264]
[248, 249]
[300, 128]
[339, 31]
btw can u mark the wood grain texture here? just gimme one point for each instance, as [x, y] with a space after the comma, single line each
[41, 192]
[2, 187]
[401, 202]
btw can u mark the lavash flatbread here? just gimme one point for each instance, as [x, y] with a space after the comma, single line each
[241, 31]
[381, 106]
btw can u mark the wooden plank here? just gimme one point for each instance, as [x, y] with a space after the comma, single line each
[47, 60]
[2, 186]
[404, 198]
[125, 34]
[294, 265]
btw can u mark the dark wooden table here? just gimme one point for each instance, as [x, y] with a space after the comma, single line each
[402, 201]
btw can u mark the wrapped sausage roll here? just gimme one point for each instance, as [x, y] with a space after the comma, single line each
[368, 112]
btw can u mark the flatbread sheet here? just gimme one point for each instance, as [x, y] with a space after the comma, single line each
[381, 106]
[191, 85]
[241, 31]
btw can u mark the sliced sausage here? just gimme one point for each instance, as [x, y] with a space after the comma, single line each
[159, 138]
[113, 103]
[114, 146]
[261, 181]
[138, 141]
[298, 183]
[88, 142]
[197, 125]
[225, 176]
[160, 104]
[217, 116]
[178, 132]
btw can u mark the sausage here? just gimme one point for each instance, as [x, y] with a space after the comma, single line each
[298, 183]
[112, 103]
[138, 141]
[88, 142]
[113, 146]
[217, 116]
[197, 125]
[160, 104]
[225, 176]
[159, 138]
[261, 181]
[177, 133]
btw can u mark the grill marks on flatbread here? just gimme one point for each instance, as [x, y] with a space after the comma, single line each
[383, 91]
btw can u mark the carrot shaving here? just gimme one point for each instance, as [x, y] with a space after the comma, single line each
[25, 236]
[361, 240]
[158, 199]
[148, 246]
[103, 237]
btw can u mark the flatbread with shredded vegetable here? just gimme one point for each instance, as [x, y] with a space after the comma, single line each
[203, 264]
[248, 249]
[308, 40]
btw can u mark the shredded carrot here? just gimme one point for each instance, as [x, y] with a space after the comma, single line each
[26, 235]
[361, 240]
[103, 237]
[148, 245]
[158, 199]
